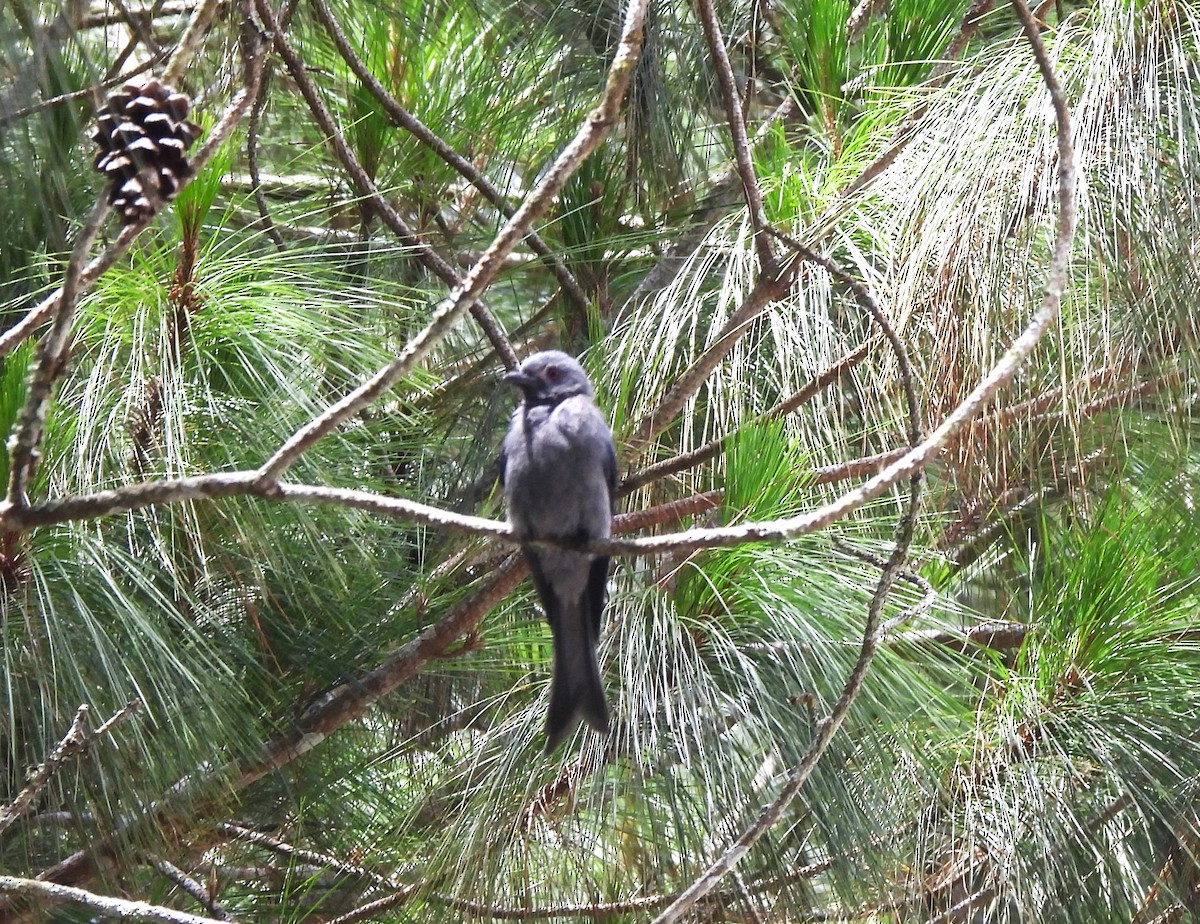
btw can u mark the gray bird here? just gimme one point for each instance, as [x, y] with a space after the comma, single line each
[559, 472]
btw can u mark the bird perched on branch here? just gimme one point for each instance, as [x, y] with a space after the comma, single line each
[559, 472]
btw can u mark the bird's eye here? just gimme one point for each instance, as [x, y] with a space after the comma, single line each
[553, 373]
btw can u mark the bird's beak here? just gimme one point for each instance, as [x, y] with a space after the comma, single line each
[520, 380]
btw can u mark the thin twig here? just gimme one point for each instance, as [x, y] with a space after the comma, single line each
[856, 468]
[865, 299]
[252, 129]
[955, 913]
[737, 132]
[767, 289]
[929, 594]
[320, 860]
[593, 911]
[72, 743]
[189, 42]
[138, 29]
[747, 900]
[114, 907]
[414, 126]
[24, 445]
[76, 741]
[16, 115]
[595, 128]
[998, 636]
[713, 448]
[369, 910]
[366, 187]
[193, 888]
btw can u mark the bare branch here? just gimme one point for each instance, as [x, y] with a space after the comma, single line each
[594, 911]
[955, 913]
[72, 743]
[929, 594]
[444, 319]
[23, 446]
[856, 468]
[189, 42]
[320, 860]
[130, 497]
[246, 484]
[371, 909]
[193, 888]
[999, 636]
[76, 741]
[670, 512]
[737, 132]
[116, 907]
[861, 15]
[266, 222]
[16, 115]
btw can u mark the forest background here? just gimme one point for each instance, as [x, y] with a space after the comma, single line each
[892, 308]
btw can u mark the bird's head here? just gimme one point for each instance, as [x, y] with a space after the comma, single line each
[550, 377]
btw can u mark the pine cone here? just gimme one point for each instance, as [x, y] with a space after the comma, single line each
[143, 135]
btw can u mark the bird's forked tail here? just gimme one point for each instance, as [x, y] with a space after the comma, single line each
[576, 690]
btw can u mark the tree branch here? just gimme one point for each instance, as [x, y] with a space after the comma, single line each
[24, 445]
[72, 743]
[737, 133]
[319, 860]
[76, 741]
[7, 118]
[189, 42]
[713, 448]
[114, 907]
[174, 874]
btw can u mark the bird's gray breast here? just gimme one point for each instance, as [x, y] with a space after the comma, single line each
[555, 483]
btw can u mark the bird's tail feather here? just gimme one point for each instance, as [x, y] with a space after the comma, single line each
[576, 690]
